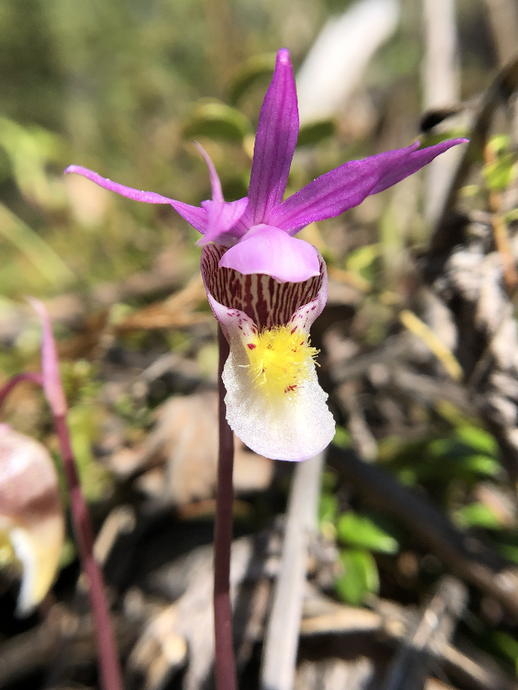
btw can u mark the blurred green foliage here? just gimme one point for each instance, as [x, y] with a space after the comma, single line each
[459, 470]
[123, 87]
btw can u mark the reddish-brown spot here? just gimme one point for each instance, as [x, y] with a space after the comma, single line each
[293, 330]
[251, 346]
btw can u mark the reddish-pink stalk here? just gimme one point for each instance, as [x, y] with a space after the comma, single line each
[50, 380]
[108, 661]
[109, 666]
[15, 380]
[224, 663]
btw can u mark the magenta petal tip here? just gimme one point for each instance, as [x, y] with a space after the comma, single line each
[283, 56]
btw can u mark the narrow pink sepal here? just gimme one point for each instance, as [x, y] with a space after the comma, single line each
[52, 385]
[222, 217]
[275, 142]
[348, 185]
[266, 249]
[217, 194]
[194, 215]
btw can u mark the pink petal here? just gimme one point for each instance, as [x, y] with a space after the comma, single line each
[194, 215]
[348, 185]
[275, 142]
[222, 217]
[217, 194]
[268, 250]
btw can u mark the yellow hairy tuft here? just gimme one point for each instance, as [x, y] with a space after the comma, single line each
[281, 359]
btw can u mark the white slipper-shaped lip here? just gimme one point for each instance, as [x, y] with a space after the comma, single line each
[294, 422]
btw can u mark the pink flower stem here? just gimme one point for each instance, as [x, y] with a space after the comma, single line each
[15, 380]
[109, 666]
[108, 658]
[224, 663]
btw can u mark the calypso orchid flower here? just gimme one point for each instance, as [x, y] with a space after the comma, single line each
[266, 287]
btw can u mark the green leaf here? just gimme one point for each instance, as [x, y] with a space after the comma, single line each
[360, 531]
[407, 476]
[506, 646]
[342, 438]
[479, 439]
[509, 551]
[83, 420]
[360, 576]
[476, 515]
[29, 243]
[362, 258]
[499, 173]
[217, 121]
[314, 132]
[511, 216]
[480, 464]
[329, 481]
[257, 68]
[328, 508]
[499, 143]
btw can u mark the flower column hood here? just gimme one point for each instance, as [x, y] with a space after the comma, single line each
[265, 286]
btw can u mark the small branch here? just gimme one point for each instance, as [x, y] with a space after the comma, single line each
[411, 665]
[224, 663]
[282, 636]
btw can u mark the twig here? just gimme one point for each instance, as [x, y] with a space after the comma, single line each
[392, 623]
[224, 663]
[411, 664]
[282, 635]
[416, 326]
